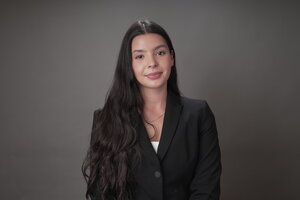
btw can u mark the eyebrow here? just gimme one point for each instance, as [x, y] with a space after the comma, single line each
[140, 50]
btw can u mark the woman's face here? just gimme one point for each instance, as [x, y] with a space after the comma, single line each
[151, 60]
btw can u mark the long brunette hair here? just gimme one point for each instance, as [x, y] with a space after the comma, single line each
[114, 150]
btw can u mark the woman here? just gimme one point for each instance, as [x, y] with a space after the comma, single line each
[143, 110]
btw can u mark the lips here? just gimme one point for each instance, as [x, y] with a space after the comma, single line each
[154, 75]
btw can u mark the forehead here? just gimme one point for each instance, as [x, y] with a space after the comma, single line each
[147, 41]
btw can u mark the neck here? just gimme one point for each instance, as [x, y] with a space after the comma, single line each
[154, 99]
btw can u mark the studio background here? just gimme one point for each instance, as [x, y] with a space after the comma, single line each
[57, 64]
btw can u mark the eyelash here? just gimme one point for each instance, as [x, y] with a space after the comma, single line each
[163, 53]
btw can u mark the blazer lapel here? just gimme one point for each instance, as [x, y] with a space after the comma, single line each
[171, 119]
[145, 143]
[150, 160]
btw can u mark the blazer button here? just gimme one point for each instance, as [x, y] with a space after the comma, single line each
[157, 174]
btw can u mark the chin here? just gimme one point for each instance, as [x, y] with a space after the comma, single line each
[154, 86]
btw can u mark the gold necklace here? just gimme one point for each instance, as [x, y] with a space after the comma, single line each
[149, 123]
[155, 119]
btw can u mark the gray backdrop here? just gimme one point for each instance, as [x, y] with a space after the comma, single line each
[57, 63]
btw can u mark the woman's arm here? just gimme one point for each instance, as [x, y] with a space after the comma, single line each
[206, 182]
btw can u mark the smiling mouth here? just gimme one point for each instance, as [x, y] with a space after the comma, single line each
[154, 75]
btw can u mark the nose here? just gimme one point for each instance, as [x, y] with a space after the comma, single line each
[152, 62]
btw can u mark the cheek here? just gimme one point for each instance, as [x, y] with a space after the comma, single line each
[168, 64]
[167, 61]
[136, 69]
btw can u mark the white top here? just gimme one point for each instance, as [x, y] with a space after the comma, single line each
[155, 145]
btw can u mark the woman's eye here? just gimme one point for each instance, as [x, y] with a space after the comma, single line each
[139, 57]
[160, 53]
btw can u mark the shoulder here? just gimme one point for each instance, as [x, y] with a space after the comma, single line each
[193, 104]
[97, 112]
[199, 110]
[196, 107]
[96, 117]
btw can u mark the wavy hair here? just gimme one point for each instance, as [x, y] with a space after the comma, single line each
[114, 150]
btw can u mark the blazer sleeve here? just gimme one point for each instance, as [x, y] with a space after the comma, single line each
[205, 184]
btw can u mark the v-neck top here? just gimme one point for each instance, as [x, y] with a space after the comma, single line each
[155, 145]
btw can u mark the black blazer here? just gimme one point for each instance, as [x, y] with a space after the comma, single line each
[187, 165]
